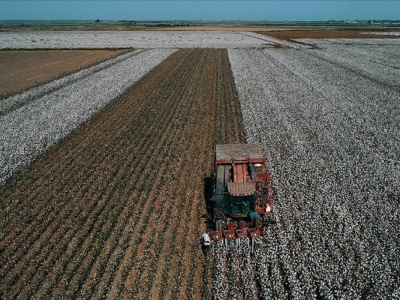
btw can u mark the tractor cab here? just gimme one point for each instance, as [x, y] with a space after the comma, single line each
[242, 198]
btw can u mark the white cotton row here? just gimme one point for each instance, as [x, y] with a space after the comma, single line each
[234, 269]
[331, 137]
[376, 59]
[44, 116]
[135, 39]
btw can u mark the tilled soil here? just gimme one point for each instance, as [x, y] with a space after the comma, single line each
[117, 208]
[20, 70]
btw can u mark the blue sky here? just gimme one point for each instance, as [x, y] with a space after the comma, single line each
[268, 10]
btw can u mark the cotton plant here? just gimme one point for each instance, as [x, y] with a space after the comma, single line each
[330, 132]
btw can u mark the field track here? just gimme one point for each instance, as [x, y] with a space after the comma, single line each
[117, 208]
[21, 70]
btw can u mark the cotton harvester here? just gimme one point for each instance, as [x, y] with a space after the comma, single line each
[241, 192]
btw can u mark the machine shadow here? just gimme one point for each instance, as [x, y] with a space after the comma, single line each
[208, 192]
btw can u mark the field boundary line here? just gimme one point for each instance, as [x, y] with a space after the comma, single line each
[274, 42]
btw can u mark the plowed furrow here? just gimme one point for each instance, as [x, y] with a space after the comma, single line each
[177, 147]
[182, 175]
[150, 165]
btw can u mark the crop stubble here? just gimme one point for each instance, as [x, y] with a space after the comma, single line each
[21, 70]
[116, 208]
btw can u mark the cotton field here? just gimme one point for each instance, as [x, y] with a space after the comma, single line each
[33, 121]
[154, 39]
[330, 129]
[116, 206]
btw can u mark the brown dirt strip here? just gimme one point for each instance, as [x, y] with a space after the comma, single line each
[21, 70]
[116, 208]
[322, 34]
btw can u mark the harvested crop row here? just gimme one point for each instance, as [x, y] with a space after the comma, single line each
[115, 209]
[331, 137]
[20, 70]
[27, 131]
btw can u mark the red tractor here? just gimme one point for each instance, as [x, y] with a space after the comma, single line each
[241, 193]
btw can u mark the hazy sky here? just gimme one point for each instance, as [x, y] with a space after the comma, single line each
[269, 10]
